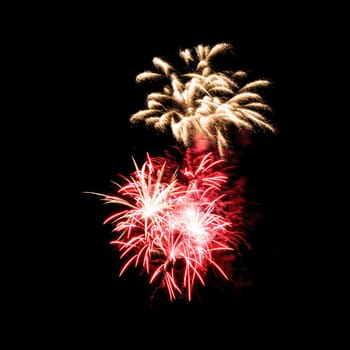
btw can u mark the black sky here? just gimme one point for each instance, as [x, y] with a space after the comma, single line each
[86, 63]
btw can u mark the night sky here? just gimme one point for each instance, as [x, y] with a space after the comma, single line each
[86, 63]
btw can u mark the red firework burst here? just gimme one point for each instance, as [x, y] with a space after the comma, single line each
[175, 221]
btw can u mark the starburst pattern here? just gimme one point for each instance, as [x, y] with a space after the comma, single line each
[203, 101]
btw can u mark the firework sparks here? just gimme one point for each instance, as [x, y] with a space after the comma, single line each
[178, 218]
[173, 224]
[203, 101]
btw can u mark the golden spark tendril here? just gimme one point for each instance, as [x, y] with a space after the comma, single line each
[203, 101]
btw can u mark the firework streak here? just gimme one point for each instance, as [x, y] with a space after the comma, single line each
[176, 218]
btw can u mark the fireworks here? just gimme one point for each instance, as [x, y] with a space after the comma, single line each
[174, 224]
[203, 101]
[177, 218]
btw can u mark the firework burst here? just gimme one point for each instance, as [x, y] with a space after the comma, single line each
[173, 224]
[203, 101]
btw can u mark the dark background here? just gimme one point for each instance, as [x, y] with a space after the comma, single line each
[80, 66]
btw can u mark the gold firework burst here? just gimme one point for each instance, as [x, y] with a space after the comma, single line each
[203, 101]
